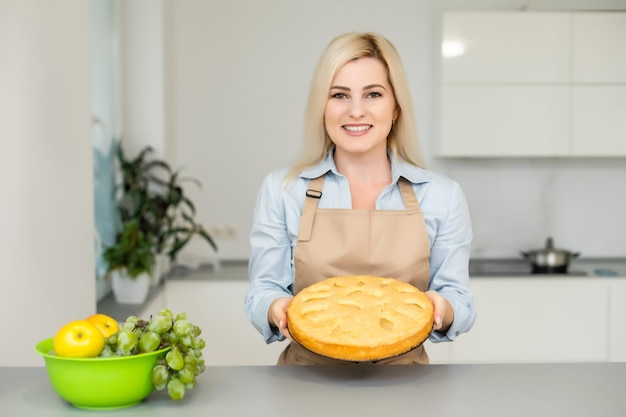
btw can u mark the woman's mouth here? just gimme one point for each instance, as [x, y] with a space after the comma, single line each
[357, 128]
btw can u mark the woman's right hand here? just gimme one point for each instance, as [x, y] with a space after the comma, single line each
[277, 315]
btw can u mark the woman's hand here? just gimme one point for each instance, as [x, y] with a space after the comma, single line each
[443, 315]
[277, 315]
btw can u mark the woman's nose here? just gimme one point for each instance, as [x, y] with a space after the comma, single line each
[356, 108]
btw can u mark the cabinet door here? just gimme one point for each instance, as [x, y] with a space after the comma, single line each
[598, 127]
[507, 47]
[617, 326]
[536, 320]
[217, 307]
[599, 47]
[487, 120]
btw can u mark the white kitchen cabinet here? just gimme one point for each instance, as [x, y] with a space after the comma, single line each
[534, 84]
[617, 323]
[508, 47]
[599, 47]
[520, 320]
[496, 120]
[598, 127]
[536, 320]
[217, 306]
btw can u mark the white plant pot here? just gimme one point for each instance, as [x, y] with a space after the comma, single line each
[128, 290]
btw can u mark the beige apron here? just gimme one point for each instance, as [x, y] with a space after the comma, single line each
[334, 242]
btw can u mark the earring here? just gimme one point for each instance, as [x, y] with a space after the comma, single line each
[393, 122]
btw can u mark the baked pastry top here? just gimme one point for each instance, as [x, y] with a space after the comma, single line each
[360, 318]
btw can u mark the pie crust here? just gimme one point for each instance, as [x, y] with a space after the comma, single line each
[360, 318]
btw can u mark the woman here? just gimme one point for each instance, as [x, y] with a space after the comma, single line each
[377, 211]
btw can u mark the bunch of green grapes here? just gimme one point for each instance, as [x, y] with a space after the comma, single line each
[178, 369]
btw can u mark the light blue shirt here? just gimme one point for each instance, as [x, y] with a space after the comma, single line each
[277, 220]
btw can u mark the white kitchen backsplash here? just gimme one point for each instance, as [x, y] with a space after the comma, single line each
[517, 203]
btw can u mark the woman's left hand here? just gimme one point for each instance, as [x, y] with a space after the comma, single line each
[443, 314]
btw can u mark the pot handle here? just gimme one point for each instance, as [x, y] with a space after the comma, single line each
[575, 254]
[524, 254]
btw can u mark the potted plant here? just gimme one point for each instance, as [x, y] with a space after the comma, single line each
[179, 222]
[139, 197]
[152, 195]
[130, 263]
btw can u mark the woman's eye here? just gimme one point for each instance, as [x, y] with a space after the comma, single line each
[374, 94]
[339, 96]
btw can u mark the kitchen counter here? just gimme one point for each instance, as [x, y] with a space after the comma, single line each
[587, 389]
[478, 267]
[583, 267]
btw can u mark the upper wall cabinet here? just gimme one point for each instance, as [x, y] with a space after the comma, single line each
[507, 47]
[505, 120]
[527, 84]
[599, 47]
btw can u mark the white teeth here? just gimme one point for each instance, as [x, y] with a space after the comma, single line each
[357, 128]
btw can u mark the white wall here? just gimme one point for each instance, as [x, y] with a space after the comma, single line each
[239, 79]
[46, 203]
[238, 74]
[235, 86]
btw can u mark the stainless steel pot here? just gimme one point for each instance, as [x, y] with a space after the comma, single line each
[549, 259]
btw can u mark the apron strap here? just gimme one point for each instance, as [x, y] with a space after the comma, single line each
[408, 195]
[313, 195]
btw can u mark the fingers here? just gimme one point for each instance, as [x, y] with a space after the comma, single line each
[439, 309]
[443, 314]
[278, 315]
[284, 330]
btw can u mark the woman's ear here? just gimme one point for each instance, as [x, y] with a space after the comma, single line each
[396, 113]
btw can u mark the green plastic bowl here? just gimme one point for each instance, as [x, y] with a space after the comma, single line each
[100, 383]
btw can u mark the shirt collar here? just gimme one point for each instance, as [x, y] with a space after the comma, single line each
[325, 165]
[399, 168]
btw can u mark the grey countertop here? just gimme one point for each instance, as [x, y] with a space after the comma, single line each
[572, 390]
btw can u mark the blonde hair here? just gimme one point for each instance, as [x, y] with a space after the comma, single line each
[402, 140]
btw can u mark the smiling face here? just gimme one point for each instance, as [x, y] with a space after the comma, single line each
[360, 107]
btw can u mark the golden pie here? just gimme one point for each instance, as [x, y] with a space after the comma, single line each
[360, 318]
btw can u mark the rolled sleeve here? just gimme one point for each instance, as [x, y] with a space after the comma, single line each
[269, 268]
[449, 264]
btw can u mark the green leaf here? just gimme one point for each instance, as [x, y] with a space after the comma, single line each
[207, 237]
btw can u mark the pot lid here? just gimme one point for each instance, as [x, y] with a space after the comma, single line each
[549, 248]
